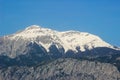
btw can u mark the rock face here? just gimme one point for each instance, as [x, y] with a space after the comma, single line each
[63, 69]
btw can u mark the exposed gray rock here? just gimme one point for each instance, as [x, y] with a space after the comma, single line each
[13, 48]
[63, 69]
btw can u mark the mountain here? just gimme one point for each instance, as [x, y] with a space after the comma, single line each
[67, 39]
[15, 44]
[38, 46]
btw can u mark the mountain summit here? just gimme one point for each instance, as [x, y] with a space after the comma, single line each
[33, 27]
[67, 39]
[16, 44]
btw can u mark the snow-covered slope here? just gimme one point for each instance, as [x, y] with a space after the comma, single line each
[68, 39]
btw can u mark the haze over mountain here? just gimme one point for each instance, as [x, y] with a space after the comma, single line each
[36, 47]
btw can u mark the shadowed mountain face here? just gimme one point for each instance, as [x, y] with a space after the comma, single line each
[33, 54]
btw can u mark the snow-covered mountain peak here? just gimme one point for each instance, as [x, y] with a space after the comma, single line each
[33, 27]
[82, 39]
[36, 28]
[32, 32]
[68, 39]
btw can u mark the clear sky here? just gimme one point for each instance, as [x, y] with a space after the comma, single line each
[99, 17]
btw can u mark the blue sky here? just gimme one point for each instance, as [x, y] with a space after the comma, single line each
[99, 17]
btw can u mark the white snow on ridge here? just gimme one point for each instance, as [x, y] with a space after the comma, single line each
[33, 27]
[81, 39]
[33, 32]
[68, 39]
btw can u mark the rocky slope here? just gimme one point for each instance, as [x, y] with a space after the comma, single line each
[63, 69]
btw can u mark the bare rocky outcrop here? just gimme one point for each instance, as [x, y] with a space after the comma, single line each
[63, 69]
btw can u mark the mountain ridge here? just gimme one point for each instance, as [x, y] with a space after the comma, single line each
[68, 39]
